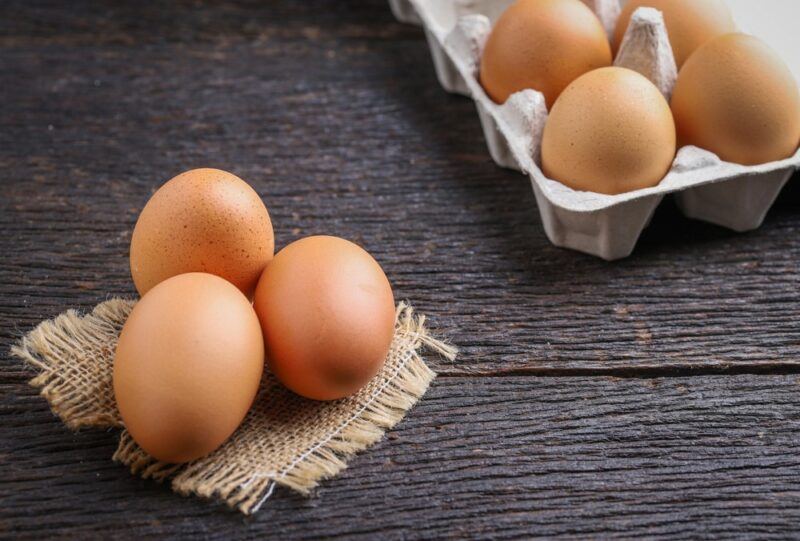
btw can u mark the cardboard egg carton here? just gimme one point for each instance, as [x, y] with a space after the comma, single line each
[608, 226]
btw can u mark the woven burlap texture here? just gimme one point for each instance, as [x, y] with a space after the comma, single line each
[285, 439]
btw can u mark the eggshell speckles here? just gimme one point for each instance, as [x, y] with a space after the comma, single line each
[610, 132]
[187, 366]
[327, 314]
[736, 98]
[543, 45]
[204, 220]
[690, 23]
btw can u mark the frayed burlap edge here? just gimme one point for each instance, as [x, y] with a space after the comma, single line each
[73, 398]
[65, 352]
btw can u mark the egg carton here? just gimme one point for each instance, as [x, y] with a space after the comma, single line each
[608, 226]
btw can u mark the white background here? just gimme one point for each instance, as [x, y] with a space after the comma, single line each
[775, 21]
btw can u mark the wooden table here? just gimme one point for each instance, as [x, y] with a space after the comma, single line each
[657, 396]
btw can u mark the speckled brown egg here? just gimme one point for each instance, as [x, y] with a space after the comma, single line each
[543, 45]
[690, 23]
[610, 132]
[327, 314]
[203, 220]
[188, 365]
[736, 98]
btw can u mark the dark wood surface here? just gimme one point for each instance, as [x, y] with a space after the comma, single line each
[331, 110]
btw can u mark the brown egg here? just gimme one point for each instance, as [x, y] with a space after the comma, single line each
[690, 23]
[188, 365]
[327, 313]
[736, 98]
[204, 220]
[610, 132]
[543, 45]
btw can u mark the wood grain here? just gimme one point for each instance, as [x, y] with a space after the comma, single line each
[331, 110]
[342, 128]
[492, 458]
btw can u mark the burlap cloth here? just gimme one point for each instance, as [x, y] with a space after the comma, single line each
[285, 439]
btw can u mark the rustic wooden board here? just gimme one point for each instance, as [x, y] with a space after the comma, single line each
[332, 111]
[502, 458]
[339, 123]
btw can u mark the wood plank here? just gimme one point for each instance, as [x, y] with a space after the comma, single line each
[331, 110]
[500, 458]
[342, 128]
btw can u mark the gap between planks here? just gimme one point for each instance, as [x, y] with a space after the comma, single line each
[642, 372]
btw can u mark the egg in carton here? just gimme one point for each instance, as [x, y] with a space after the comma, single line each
[608, 226]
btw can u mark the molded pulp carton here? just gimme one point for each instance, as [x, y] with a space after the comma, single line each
[706, 188]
